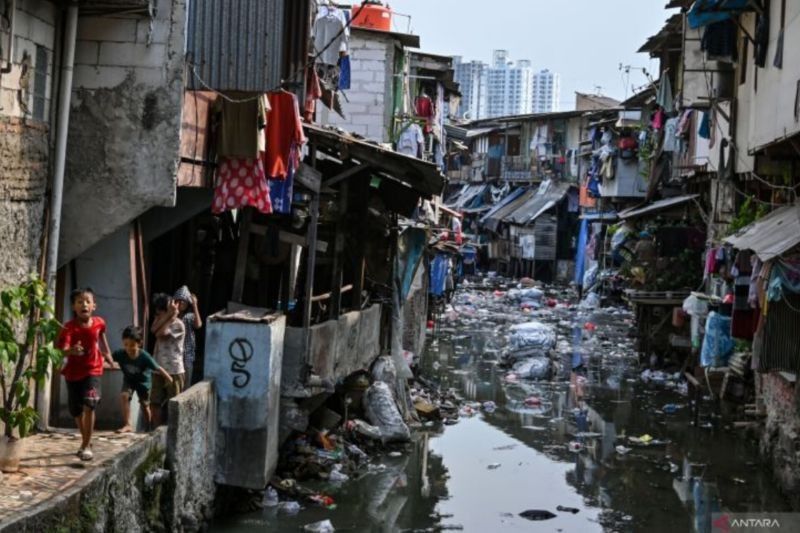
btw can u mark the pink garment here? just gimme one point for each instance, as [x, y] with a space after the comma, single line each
[658, 119]
[241, 182]
[711, 262]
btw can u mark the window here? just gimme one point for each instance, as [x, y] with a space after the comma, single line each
[40, 83]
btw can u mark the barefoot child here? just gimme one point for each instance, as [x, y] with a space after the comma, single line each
[169, 332]
[83, 340]
[137, 368]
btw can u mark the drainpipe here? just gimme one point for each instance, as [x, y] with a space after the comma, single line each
[57, 190]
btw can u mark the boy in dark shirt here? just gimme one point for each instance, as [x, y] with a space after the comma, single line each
[137, 368]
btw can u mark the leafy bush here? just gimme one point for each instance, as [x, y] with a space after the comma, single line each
[27, 336]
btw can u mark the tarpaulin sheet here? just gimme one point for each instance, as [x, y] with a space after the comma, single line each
[410, 247]
[705, 12]
[438, 274]
[580, 255]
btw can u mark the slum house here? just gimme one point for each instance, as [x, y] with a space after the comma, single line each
[91, 97]
[736, 87]
[548, 154]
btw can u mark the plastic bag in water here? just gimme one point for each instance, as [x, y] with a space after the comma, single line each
[534, 368]
[532, 335]
[382, 412]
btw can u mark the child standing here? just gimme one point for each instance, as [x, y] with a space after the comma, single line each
[137, 368]
[84, 342]
[190, 316]
[170, 333]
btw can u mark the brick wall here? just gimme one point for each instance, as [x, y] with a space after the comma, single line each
[25, 140]
[368, 106]
[780, 442]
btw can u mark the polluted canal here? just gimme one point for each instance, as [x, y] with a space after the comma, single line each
[540, 419]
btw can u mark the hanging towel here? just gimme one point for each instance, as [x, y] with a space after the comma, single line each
[241, 183]
[664, 96]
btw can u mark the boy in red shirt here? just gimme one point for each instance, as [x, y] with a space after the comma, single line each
[84, 342]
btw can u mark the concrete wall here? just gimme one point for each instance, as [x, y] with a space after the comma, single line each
[124, 130]
[191, 443]
[114, 497]
[25, 140]
[780, 441]
[369, 105]
[338, 348]
[244, 359]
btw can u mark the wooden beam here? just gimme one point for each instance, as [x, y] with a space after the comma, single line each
[133, 273]
[328, 295]
[336, 271]
[287, 237]
[346, 174]
[143, 279]
[241, 256]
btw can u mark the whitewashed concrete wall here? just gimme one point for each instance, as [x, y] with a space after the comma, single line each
[125, 122]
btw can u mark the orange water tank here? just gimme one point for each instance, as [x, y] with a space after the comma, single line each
[372, 15]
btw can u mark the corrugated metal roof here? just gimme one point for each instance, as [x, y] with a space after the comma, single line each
[659, 205]
[772, 236]
[236, 45]
[548, 195]
[510, 197]
[492, 220]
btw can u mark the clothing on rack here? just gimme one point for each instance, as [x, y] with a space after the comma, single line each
[423, 106]
[239, 124]
[281, 191]
[284, 131]
[331, 34]
[664, 95]
[241, 182]
[670, 138]
[704, 131]
[344, 73]
[411, 140]
[313, 92]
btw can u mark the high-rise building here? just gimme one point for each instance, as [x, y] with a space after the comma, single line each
[510, 86]
[472, 81]
[546, 92]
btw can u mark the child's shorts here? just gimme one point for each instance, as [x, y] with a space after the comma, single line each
[164, 390]
[141, 390]
[83, 393]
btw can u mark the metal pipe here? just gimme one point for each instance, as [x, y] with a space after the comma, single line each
[57, 189]
[62, 129]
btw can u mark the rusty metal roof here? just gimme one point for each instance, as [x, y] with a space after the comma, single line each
[422, 176]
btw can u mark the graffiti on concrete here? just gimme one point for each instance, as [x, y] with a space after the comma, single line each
[240, 351]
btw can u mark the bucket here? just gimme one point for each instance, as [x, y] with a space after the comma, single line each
[374, 16]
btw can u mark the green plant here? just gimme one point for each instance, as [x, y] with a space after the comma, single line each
[27, 350]
[748, 213]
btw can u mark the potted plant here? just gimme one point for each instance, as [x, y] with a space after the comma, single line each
[27, 336]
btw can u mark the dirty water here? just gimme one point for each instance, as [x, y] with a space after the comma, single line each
[562, 446]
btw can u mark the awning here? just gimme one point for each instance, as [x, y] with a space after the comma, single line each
[493, 218]
[603, 216]
[654, 207]
[705, 12]
[422, 176]
[771, 236]
[510, 197]
[546, 197]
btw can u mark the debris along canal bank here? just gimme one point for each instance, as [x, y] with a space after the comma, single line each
[521, 425]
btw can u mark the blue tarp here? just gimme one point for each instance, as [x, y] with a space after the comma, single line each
[438, 274]
[410, 247]
[705, 12]
[580, 256]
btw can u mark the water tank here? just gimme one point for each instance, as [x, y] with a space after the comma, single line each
[372, 15]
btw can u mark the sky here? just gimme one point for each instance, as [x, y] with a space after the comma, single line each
[585, 41]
